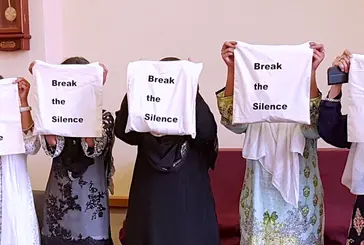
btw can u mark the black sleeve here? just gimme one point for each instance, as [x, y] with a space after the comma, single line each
[206, 128]
[131, 138]
[206, 132]
[332, 125]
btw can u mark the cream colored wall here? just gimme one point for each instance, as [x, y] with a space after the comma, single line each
[117, 32]
[16, 64]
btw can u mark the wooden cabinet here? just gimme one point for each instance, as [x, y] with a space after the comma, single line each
[14, 25]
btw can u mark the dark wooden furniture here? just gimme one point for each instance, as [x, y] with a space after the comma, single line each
[14, 25]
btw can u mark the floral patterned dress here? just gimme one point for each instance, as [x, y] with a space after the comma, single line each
[265, 218]
[76, 207]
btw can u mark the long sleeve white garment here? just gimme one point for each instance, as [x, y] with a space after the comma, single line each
[19, 220]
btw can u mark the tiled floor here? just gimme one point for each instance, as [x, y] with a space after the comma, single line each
[117, 219]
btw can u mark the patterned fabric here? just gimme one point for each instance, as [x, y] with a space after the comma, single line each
[265, 218]
[76, 209]
[356, 230]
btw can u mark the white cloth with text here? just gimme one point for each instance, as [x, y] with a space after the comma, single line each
[11, 135]
[162, 97]
[272, 83]
[68, 99]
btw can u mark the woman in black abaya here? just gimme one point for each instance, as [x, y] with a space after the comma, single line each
[171, 201]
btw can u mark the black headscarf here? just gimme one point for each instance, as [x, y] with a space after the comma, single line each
[168, 153]
[73, 157]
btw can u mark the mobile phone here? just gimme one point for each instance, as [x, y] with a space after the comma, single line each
[336, 76]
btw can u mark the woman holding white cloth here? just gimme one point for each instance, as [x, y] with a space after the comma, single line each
[265, 215]
[17, 203]
[333, 128]
[171, 201]
[76, 208]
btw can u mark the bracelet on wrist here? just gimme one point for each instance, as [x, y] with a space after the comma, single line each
[25, 108]
[27, 129]
[331, 100]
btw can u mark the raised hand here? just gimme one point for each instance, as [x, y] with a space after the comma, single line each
[23, 90]
[227, 53]
[343, 61]
[318, 55]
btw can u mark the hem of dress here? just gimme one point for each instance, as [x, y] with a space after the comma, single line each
[46, 240]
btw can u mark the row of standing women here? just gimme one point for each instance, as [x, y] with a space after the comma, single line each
[174, 206]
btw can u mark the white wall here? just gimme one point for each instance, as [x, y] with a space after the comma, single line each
[117, 32]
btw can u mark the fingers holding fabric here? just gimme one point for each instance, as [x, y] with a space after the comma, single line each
[343, 61]
[227, 52]
[347, 53]
[317, 46]
[23, 88]
[30, 69]
[318, 54]
[229, 44]
[106, 71]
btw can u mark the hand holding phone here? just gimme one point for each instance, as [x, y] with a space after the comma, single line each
[336, 76]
